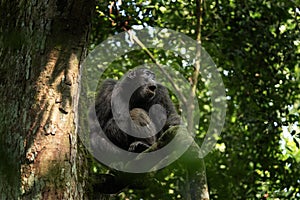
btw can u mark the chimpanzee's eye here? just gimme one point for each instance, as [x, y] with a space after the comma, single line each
[149, 74]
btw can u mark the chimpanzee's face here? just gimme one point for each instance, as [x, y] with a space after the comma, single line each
[146, 80]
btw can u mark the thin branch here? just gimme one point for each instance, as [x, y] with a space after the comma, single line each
[136, 40]
[198, 183]
[195, 76]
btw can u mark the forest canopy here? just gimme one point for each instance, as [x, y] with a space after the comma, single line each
[256, 48]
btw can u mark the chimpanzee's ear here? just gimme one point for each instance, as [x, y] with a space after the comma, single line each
[131, 74]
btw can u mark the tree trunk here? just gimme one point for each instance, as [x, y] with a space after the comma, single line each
[42, 44]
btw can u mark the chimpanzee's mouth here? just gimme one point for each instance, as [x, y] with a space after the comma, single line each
[152, 88]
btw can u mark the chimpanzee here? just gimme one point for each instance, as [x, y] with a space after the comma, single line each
[139, 93]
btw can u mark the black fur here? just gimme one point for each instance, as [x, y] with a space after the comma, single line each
[149, 94]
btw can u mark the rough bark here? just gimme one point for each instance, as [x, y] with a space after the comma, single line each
[42, 45]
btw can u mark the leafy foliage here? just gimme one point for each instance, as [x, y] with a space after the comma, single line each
[256, 46]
